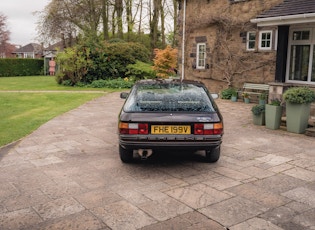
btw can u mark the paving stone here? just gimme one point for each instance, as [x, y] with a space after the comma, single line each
[222, 183]
[164, 209]
[273, 160]
[233, 211]
[79, 221]
[302, 195]
[97, 198]
[279, 183]
[257, 172]
[259, 195]
[301, 173]
[58, 208]
[255, 224]
[307, 219]
[26, 199]
[188, 221]
[282, 216]
[123, 216]
[46, 161]
[20, 219]
[198, 196]
[233, 174]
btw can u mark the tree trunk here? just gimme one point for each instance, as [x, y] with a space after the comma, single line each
[119, 11]
[154, 23]
[105, 19]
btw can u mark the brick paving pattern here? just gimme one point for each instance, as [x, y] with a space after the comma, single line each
[68, 175]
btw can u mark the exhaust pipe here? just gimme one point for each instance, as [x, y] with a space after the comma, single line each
[145, 153]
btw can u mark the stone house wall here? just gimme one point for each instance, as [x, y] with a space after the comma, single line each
[223, 26]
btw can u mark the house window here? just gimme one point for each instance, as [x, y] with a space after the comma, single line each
[301, 56]
[265, 40]
[201, 56]
[299, 62]
[28, 55]
[251, 41]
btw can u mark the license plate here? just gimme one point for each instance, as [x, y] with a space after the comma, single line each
[170, 129]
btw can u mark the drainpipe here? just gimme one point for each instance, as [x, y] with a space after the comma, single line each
[183, 40]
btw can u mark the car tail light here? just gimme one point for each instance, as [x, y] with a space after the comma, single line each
[208, 128]
[133, 128]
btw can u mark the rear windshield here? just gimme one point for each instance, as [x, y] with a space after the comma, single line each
[168, 98]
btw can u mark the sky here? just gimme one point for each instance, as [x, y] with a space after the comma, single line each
[20, 19]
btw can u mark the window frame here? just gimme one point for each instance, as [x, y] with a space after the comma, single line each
[302, 42]
[198, 66]
[248, 40]
[261, 39]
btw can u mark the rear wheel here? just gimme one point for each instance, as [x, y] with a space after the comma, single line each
[213, 154]
[126, 155]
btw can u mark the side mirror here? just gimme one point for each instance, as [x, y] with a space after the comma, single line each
[215, 95]
[124, 95]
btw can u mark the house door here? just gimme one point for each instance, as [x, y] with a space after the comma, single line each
[301, 56]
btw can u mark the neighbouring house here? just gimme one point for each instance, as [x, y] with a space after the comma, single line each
[32, 50]
[50, 52]
[230, 42]
[6, 50]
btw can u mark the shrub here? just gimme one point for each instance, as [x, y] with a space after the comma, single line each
[118, 83]
[140, 70]
[275, 102]
[299, 95]
[21, 67]
[228, 93]
[258, 109]
[165, 62]
[74, 65]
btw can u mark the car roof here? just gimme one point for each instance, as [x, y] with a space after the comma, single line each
[169, 81]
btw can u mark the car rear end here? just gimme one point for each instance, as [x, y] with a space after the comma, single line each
[169, 115]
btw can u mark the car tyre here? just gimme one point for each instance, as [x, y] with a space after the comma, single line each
[126, 155]
[213, 154]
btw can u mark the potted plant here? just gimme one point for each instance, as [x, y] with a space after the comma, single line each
[228, 93]
[258, 114]
[273, 114]
[246, 97]
[234, 95]
[298, 102]
[262, 98]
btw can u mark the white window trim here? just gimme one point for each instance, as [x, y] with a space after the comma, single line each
[247, 40]
[260, 40]
[197, 58]
[276, 40]
[310, 42]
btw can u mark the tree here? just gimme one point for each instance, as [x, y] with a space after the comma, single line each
[4, 35]
[154, 23]
[165, 62]
[119, 17]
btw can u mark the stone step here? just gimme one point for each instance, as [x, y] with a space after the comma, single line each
[310, 132]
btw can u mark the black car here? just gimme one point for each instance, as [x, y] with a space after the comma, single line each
[169, 115]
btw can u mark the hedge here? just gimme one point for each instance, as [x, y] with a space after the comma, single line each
[10, 67]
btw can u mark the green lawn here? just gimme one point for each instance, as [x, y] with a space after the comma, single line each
[37, 83]
[23, 112]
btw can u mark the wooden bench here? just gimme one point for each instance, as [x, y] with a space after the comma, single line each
[255, 89]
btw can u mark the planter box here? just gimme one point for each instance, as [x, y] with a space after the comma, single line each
[234, 98]
[273, 116]
[259, 119]
[297, 117]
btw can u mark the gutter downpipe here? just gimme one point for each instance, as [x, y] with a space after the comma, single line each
[183, 41]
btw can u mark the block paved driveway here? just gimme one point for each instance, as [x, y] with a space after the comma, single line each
[68, 175]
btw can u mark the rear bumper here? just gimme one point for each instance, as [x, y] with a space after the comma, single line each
[157, 142]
